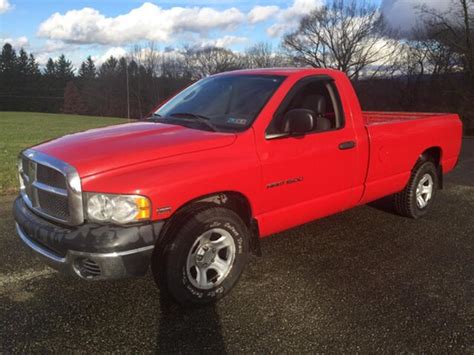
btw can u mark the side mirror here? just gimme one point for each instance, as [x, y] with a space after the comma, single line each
[298, 122]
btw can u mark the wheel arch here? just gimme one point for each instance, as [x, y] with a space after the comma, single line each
[233, 200]
[434, 154]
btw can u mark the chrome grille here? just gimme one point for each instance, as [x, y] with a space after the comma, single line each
[25, 165]
[48, 176]
[53, 205]
[45, 188]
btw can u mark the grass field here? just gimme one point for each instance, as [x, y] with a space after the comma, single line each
[19, 130]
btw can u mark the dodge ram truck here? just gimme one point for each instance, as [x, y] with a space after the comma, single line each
[233, 158]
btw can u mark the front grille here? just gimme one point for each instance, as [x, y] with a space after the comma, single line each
[45, 189]
[53, 204]
[25, 162]
[51, 177]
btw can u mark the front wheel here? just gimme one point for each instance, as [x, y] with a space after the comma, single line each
[205, 258]
[417, 197]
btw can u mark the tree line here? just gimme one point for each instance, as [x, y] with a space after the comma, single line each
[430, 67]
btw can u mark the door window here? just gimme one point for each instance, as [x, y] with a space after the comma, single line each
[317, 95]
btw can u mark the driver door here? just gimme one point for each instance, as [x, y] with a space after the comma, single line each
[308, 176]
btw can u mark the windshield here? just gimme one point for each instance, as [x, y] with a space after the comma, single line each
[227, 103]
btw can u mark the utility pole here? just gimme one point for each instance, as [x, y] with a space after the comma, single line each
[128, 90]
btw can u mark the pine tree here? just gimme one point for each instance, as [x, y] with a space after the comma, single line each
[22, 63]
[109, 67]
[8, 59]
[64, 69]
[33, 67]
[50, 69]
[9, 83]
[88, 69]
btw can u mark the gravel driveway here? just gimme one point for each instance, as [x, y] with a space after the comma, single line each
[364, 280]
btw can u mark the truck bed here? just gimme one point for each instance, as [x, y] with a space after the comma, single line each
[396, 141]
[381, 117]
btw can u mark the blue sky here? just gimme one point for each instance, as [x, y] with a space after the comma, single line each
[26, 15]
[102, 27]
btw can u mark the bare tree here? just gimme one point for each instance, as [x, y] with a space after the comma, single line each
[453, 32]
[349, 36]
[143, 66]
[212, 60]
[147, 57]
[261, 55]
[174, 65]
[453, 29]
[423, 55]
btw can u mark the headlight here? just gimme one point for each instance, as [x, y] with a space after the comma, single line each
[119, 209]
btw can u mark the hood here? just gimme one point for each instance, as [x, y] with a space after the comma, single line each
[108, 148]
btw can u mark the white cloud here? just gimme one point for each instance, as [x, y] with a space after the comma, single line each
[5, 6]
[117, 52]
[301, 8]
[53, 49]
[147, 22]
[279, 29]
[403, 13]
[54, 46]
[19, 42]
[151, 22]
[74, 54]
[224, 42]
[262, 13]
[288, 19]
[42, 58]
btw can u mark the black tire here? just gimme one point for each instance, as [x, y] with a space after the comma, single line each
[405, 202]
[171, 273]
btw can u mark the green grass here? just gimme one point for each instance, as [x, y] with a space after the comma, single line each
[19, 130]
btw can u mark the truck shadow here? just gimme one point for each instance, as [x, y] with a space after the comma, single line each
[384, 204]
[188, 330]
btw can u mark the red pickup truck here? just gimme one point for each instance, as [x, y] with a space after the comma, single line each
[232, 158]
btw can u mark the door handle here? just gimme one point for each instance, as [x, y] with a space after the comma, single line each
[347, 145]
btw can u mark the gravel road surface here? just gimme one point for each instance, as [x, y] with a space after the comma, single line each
[365, 280]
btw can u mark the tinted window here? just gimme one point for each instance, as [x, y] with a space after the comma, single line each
[319, 96]
[230, 102]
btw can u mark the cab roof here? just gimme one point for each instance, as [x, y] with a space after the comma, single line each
[286, 71]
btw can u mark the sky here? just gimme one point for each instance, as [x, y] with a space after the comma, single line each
[100, 28]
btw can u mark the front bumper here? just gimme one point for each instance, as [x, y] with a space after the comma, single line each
[89, 251]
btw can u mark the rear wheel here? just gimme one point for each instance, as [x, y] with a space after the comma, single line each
[204, 258]
[416, 199]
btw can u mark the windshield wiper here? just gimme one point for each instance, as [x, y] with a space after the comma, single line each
[200, 118]
[189, 114]
[155, 118]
